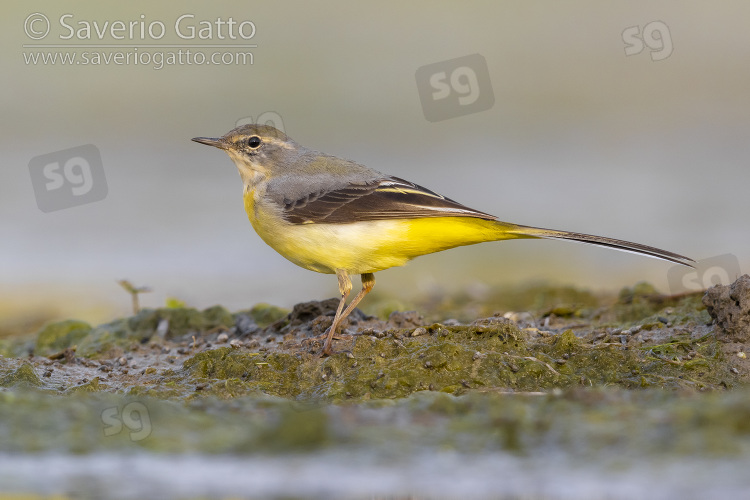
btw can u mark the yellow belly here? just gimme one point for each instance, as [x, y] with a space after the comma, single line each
[370, 246]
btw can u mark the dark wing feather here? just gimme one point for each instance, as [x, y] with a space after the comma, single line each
[389, 198]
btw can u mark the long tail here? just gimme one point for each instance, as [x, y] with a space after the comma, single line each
[625, 246]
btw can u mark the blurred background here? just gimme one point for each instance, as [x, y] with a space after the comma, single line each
[629, 120]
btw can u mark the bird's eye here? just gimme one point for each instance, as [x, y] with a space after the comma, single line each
[254, 142]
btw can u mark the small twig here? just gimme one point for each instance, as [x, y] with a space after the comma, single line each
[532, 358]
[134, 291]
[67, 353]
[665, 360]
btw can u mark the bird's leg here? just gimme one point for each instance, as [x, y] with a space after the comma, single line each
[345, 286]
[368, 282]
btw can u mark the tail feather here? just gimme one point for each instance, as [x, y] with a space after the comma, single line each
[625, 246]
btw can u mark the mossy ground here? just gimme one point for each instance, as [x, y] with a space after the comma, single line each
[561, 366]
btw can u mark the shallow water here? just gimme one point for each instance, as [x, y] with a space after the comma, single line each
[344, 475]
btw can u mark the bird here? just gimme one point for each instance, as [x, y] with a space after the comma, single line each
[335, 216]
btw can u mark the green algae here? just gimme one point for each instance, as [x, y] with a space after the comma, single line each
[600, 379]
[93, 385]
[265, 314]
[61, 335]
[105, 338]
[643, 304]
[13, 374]
[490, 354]
[583, 422]
[180, 322]
[142, 327]
[457, 359]
[537, 298]
[16, 347]
[295, 429]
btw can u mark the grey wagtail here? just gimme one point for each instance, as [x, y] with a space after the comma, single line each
[335, 216]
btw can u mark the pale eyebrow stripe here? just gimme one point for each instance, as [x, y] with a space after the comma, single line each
[277, 142]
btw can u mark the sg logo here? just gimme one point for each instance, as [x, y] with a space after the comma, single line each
[134, 416]
[455, 87]
[68, 178]
[655, 36]
[271, 118]
[719, 270]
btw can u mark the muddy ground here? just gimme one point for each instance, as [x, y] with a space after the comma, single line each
[638, 374]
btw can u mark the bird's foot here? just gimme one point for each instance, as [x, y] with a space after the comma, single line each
[328, 345]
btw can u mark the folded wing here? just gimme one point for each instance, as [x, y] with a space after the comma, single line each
[388, 198]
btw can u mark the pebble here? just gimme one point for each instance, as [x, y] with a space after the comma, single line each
[631, 331]
[122, 361]
[162, 328]
[223, 337]
[235, 343]
[245, 325]
[419, 331]
[519, 318]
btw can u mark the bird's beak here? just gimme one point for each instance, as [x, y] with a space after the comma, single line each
[217, 142]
